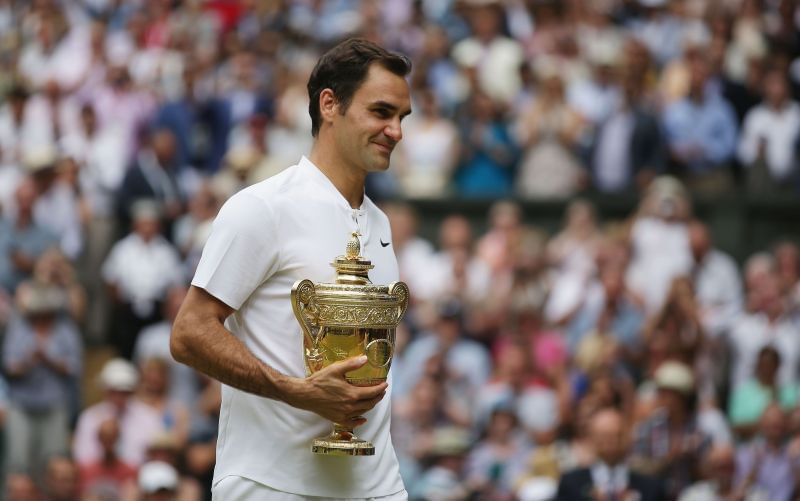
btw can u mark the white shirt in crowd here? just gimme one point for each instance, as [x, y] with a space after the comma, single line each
[497, 64]
[265, 238]
[780, 129]
[660, 254]
[718, 289]
[139, 424]
[103, 161]
[750, 332]
[58, 211]
[143, 271]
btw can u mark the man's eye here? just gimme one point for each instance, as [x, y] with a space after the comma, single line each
[382, 113]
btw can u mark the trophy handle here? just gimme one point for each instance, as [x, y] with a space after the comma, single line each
[303, 304]
[400, 290]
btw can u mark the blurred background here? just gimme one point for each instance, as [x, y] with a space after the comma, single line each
[594, 204]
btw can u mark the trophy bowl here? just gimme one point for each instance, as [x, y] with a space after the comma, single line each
[348, 318]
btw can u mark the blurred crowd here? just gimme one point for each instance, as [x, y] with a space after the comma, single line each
[611, 360]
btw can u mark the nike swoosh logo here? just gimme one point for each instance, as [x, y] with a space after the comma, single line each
[384, 244]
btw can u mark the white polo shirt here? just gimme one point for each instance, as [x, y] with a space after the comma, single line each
[265, 238]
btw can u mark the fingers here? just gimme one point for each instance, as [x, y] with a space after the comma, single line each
[370, 392]
[345, 366]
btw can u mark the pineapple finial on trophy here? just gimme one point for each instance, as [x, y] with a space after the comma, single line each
[353, 249]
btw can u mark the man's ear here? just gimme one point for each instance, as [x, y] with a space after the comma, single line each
[328, 105]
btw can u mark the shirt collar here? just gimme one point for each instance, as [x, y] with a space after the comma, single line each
[319, 178]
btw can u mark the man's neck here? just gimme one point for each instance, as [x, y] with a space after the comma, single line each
[349, 181]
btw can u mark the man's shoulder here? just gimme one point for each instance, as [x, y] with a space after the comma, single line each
[281, 182]
[267, 194]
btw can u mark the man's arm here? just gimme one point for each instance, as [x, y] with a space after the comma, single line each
[200, 340]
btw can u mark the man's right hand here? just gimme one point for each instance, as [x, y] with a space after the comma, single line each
[328, 394]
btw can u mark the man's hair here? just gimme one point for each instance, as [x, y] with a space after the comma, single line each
[344, 68]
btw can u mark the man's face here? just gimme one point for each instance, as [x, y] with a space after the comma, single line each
[369, 130]
[607, 434]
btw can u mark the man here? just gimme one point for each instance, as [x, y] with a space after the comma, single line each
[264, 239]
[669, 444]
[720, 465]
[138, 422]
[716, 280]
[609, 477]
[701, 133]
[139, 271]
[769, 464]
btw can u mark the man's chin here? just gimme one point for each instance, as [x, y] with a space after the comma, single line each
[380, 164]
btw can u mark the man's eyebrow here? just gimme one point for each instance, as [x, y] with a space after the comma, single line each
[389, 106]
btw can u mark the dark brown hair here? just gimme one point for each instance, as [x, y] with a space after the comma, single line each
[344, 68]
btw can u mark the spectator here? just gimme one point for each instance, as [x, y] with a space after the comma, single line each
[55, 269]
[716, 282]
[42, 353]
[488, 152]
[429, 151]
[57, 206]
[455, 270]
[659, 242]
[489, 58]
[767, 147]
[184, 116]
[138, 422]
[139, 271]
[609, 307]
[153, 343]
[548, 132]
[12, 126]
[445, 478]
[61, 479]
[768, 323]
[22, 240]
[158, 481]
[751, 398]
[720, 467]
[701, 132]
[571, 254]
[20, 487]
[488, 464]
[154, 176]
[165, 449]
[109, 473]
[463, 359]
[153, 391]
[413, 252]
[100, 154]
[768, 463]
[629, 149]
[668, 443]
[609, 477]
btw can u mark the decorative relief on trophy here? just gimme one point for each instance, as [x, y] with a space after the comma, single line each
[349, 318]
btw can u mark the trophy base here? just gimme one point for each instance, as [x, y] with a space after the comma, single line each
[340, 444]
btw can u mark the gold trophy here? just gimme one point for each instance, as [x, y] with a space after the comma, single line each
[348, 318]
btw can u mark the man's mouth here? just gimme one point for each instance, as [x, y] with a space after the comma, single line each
[385, 148]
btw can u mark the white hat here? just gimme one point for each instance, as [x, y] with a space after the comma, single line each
[39, 158]
[157, 475]
[675, 376]
[537, 410]
[119, 374]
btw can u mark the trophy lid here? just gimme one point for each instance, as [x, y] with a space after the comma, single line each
[352, 267]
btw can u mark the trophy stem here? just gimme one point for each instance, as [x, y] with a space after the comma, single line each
[342, 442]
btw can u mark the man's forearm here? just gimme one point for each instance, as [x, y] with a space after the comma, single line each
[206, 345]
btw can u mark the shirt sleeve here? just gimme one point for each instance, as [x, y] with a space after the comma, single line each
[241, 252]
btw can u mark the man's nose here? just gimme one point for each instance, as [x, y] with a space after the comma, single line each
[393, 130]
